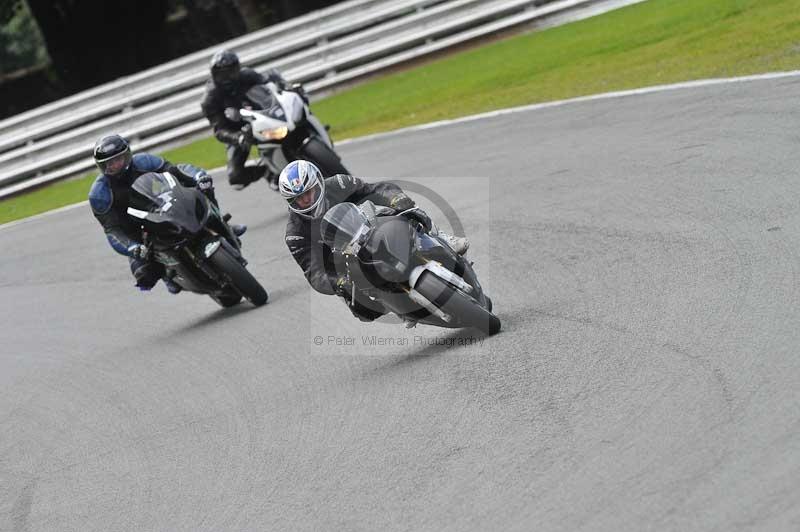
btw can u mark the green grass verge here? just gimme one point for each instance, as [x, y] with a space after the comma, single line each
[655, 42]
[206, 153]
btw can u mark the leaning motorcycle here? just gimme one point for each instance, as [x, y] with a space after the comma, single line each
[285, 130]
[390, 258]
[191, 238]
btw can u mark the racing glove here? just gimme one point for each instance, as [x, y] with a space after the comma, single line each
[421, 217]
[245, 138]
[401, 202]
[204, 181]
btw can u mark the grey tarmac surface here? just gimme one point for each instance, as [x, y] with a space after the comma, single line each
[642, 252]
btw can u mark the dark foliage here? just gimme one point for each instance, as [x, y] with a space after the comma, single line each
[95, 41]
[90, 42]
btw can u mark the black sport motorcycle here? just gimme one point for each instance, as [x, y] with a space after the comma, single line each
[389, 258]
[187, 234]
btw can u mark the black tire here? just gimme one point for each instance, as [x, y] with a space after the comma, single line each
[325, 158]
[228, 301]
[241, 279]
[456, 303]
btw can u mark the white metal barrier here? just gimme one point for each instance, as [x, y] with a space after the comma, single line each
[336, 45]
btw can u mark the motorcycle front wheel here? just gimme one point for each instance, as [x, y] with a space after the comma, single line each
[452, 301]
[227, 300]
[238, 276]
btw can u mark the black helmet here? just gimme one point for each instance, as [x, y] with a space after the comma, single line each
[225, 69]
[112, 155]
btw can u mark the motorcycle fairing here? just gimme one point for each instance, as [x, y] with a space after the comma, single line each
[167, 207]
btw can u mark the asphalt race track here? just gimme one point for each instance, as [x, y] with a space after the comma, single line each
[643, 254]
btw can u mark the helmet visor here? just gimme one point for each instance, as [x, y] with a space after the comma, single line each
[308, 200]
[226, 76]
[115, 164]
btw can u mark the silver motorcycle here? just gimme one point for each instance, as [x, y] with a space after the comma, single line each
[285, 129]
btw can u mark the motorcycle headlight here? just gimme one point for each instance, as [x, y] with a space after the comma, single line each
[275, 134]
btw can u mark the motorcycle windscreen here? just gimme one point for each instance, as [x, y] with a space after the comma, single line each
[169, 206]
[341, 225]
[261, 99]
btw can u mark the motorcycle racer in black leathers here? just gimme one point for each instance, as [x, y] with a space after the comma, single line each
[309, 196]
[228, 84]
[109, 197]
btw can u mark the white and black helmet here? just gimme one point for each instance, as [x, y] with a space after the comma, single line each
[302, 185]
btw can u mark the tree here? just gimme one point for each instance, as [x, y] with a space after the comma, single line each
[255, 16]
[8, 8]
[21, 46]
[92, 41]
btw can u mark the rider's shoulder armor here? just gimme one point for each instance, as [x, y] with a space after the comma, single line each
[341, 187]
[342, 181]
[147, 162]
[101, 197]
[335, 180]
[249, 77]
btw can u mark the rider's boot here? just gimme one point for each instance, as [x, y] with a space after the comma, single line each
[272, 181]
[172, 286]
[459, 244]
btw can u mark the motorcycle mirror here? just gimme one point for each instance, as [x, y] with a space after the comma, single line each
[232, 114]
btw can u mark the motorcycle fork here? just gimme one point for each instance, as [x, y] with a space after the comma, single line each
[201, 265]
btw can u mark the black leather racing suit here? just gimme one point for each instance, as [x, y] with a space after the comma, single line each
[216, 100]
[305, 242]
[109, 198]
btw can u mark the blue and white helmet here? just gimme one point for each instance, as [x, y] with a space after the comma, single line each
[302, 185]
